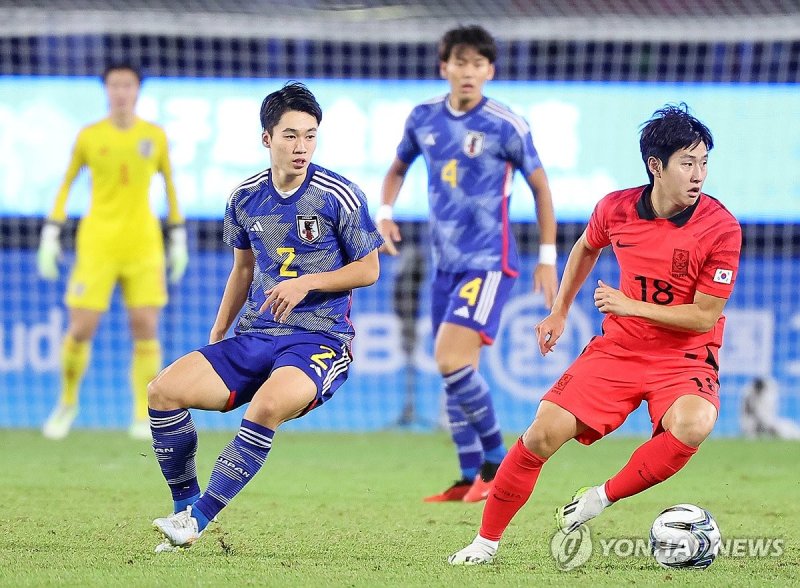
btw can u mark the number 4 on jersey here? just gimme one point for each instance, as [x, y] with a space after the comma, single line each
[450, 173]
[470, 291]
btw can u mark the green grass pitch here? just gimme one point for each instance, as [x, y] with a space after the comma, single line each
[346, 510]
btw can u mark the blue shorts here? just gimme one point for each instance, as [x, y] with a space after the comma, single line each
[244, 363]
[472, 299]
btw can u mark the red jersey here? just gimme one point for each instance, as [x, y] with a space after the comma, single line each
[665, 261]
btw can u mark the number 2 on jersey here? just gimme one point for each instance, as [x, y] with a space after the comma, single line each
[289, 253]
[318, 358]
[450, 173]
[470, 291]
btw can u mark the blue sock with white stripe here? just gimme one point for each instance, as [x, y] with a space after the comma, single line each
[235, 467]
[175, 445]
[468, 445]
[471, 392]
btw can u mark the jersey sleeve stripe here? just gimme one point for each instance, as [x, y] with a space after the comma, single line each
[339, 189]
[346, 190]
[516, 121]
[340, 196]
[436, 100]
[250, 182]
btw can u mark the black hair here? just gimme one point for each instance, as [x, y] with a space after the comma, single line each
[121, 66]
[473, 36]
[293, 96]
[670, 129]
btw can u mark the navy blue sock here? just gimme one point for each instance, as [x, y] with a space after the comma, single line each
[235, 467]
[468, 445]
[472, 393]
[175, 445]
[180, 505]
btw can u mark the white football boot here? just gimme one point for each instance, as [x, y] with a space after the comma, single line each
[180, 529]
[585, 505]
[480, 551]
[60, 421]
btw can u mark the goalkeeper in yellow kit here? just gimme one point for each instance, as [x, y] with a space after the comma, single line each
[119, 240]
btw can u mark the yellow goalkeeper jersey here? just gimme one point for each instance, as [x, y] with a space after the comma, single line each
[121, 163]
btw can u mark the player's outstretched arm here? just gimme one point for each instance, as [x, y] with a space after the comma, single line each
[235, 294]
[582, 259]
[287, 294]
[698, 317]
[545, 277]
[389, 190]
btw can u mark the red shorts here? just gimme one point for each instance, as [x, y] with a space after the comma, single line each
[607, 382]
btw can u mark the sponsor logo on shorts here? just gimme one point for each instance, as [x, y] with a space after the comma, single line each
[463, 312]
[562, 383]
[680, 263]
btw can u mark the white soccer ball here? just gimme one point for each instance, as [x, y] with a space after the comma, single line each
[685, 536]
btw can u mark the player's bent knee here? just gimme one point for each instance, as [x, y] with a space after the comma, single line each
[541, 439]
[271, 413]
[160, 396]
[692, 428]
[449, 362]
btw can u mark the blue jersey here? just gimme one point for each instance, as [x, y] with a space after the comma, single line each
[471, 162]
[323, 226]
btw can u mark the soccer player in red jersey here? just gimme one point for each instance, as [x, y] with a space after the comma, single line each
[678, 252]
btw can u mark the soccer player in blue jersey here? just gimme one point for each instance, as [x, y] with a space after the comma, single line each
[472, 146]
[302, 239]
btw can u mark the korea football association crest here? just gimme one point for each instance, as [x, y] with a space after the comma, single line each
[145, 148]
[473, 143]
[308, 228]
[680, 263]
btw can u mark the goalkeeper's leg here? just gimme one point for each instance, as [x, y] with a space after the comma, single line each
[145, 365]
[75, 355]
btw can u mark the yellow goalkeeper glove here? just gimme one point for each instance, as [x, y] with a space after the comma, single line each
[49, 251]
[177, 253]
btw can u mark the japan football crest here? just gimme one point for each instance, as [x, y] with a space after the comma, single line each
[308, 228]
[473, 143]
[145, 148]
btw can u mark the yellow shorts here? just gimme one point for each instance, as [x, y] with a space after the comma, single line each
[94, 277]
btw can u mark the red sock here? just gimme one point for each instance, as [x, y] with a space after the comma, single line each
[512, 487]
[655, 461]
